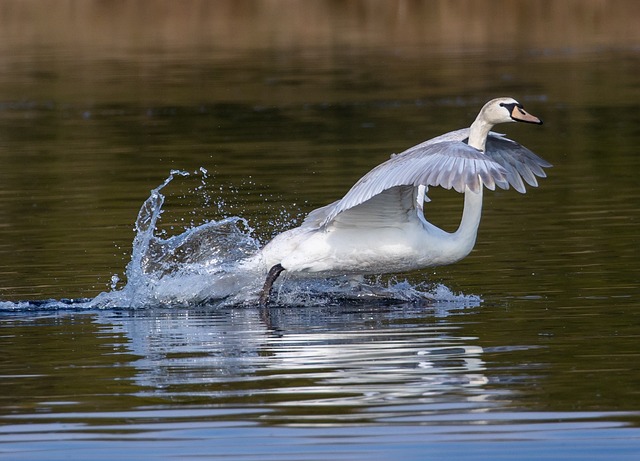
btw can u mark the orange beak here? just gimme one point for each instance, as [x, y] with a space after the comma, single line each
[520, 115]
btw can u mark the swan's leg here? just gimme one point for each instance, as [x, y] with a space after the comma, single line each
[273, 274]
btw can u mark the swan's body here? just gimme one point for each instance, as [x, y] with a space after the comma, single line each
[379, 226]
[385, 234]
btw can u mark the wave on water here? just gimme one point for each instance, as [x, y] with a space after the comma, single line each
[202, 266]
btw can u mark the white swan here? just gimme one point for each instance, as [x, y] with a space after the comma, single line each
[379, 227]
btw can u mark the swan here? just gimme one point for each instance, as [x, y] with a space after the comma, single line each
[379, 227]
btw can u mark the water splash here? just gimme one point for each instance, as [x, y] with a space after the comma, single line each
[195, 267]
[206, 264]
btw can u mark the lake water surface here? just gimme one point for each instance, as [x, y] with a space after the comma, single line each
[528, 349]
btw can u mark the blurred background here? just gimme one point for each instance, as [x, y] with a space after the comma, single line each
[119, 28]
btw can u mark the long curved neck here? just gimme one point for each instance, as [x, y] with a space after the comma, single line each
[465, 235]
[460, 243]
[478, 132]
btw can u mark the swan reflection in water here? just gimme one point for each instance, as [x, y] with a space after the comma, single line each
[348, 360]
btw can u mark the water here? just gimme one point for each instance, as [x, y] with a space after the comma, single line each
[121, 150]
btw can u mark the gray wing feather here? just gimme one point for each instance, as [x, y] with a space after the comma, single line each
[518, 161]
[446, 161]
[449, 164]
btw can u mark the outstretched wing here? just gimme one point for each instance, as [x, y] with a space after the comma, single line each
[446, 161]
[518, 161]
[449, 164]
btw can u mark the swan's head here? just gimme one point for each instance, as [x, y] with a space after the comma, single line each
[504, 110]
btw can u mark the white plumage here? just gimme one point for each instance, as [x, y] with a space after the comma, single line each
[379, 226]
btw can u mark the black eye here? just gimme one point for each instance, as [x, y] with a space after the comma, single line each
[502, 104]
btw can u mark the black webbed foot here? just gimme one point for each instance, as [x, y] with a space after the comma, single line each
[273, 274]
